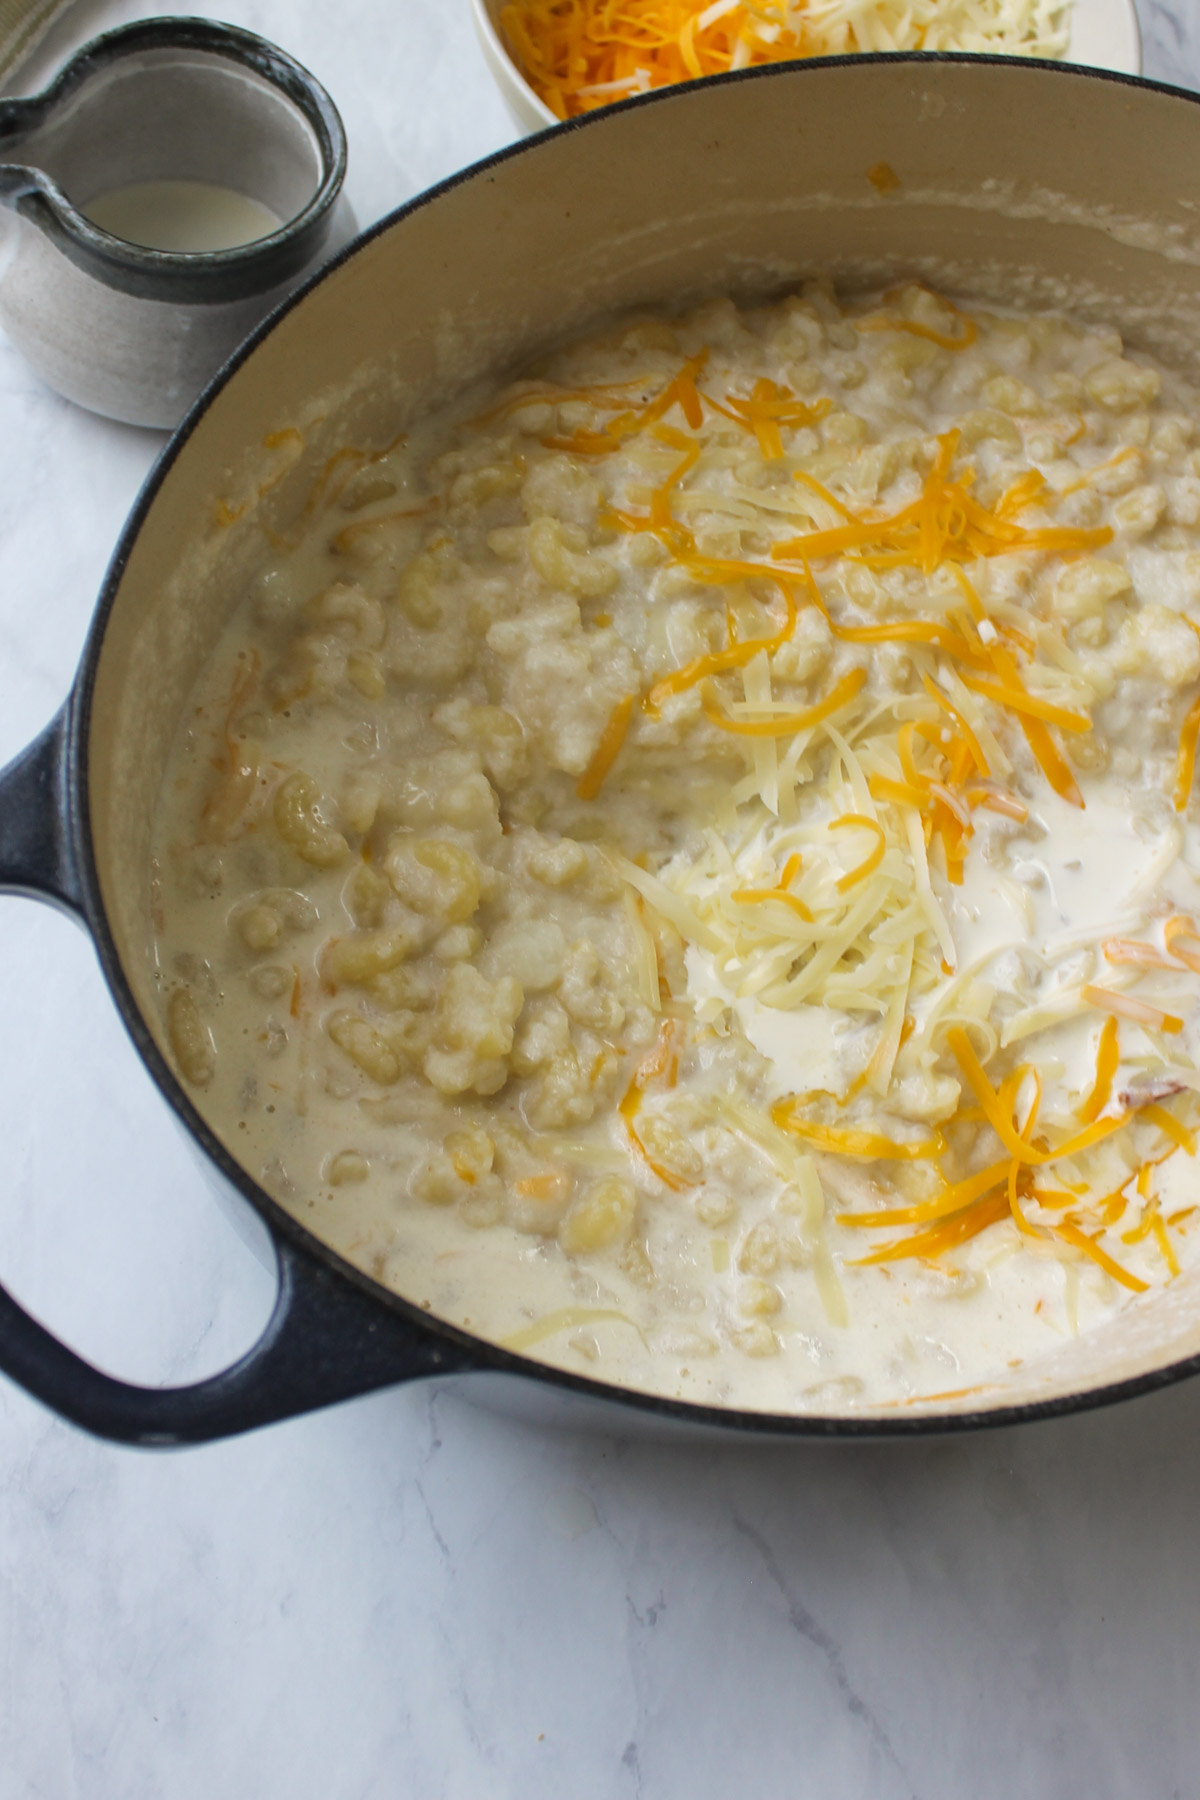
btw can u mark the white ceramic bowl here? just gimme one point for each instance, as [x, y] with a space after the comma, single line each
[1104, 35]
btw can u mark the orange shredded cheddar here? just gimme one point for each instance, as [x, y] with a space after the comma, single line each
[661, 1063]
[1172, 1127]
[1049, 757]
[720, 661]
[578, 55]
[865, 1146]
[1022, 702]
[961, 340]
[996, 800]
[1164, 1243]
[1074, 487]
[1129, 950]
[607, 750]
[898, 793]
[870, 863]
[754, 896]
[1179, 932]
[961, 720]
[958, 1229]
[1185, 768]
[1140, 1011]
[1108, 1058]
[1071, 1234]
[951, 1200]
[944, 525]
[787, 724]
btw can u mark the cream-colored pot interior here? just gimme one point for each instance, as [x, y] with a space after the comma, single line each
[1045, 187]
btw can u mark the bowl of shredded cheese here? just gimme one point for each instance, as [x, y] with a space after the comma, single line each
[558, 59]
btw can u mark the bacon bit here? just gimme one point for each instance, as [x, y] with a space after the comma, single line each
[1185, 768]
[865, 1146]
[1169, 1125]
[870, 863]
[607, 750]
[1108, 1059]
[1071, 1234]
[787, 724]
[1140, 1011]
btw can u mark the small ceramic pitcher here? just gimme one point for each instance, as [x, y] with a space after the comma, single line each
[135, 332]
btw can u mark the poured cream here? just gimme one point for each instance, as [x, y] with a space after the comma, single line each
[181, 216]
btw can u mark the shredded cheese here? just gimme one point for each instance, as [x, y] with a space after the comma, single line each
[580, 54]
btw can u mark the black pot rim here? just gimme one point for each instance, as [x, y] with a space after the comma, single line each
[186, 277]
[477, 1354]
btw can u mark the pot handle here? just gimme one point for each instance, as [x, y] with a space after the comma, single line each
[325, 1340]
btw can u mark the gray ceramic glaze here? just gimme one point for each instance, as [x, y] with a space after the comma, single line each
[136, 333]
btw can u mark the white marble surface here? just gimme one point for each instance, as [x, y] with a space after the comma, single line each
[406, 1596]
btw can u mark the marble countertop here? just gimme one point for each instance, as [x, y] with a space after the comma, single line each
[408, 1596]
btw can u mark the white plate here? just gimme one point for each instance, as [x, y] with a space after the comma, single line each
[1104, 35]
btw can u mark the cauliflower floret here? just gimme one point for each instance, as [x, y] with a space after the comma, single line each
[1155, 641]
[561, 684]
[585, 992]
[472, 1032]
[558, 488]
[1085, 588]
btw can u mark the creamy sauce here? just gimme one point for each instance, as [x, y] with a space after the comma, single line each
[653, 847]
[182, 216]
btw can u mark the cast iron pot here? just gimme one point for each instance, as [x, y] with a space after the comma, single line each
[1047, 186]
